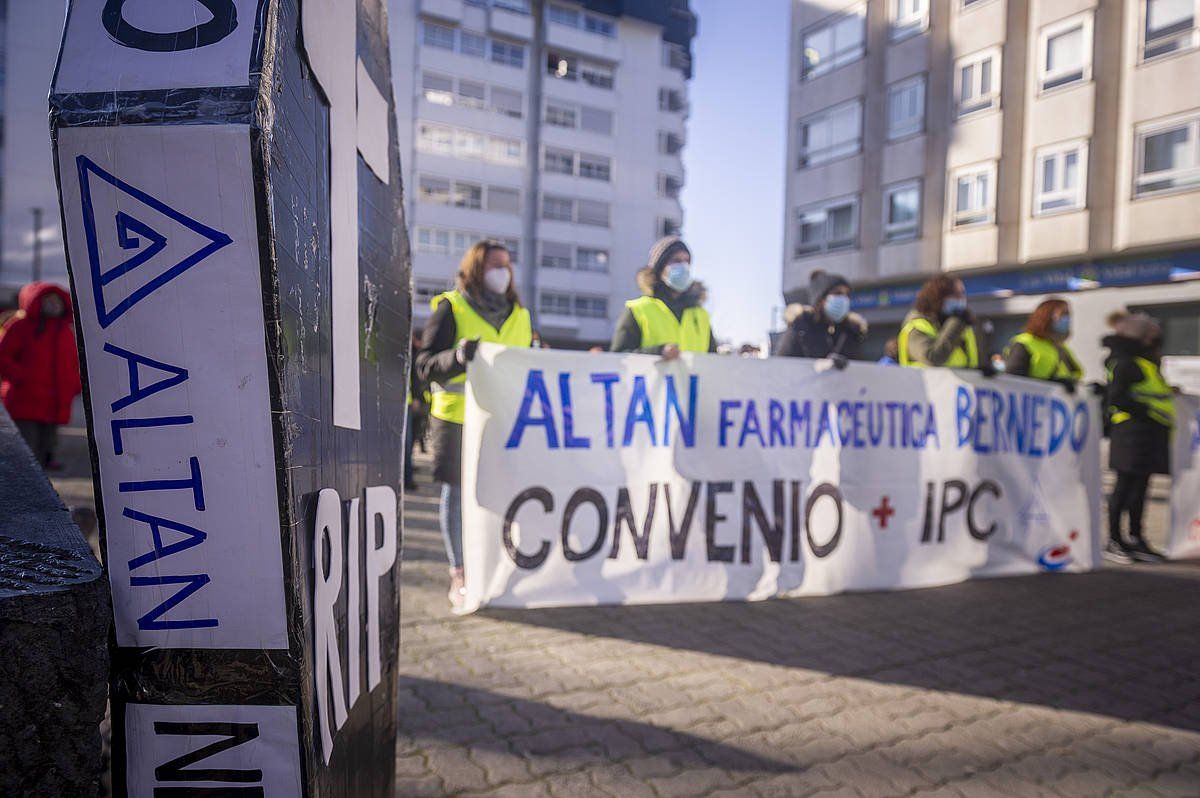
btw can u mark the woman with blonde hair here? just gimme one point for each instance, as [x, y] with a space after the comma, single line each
[483, 306]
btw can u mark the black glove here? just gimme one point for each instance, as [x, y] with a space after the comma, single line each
[466, 350]
[966, 314]
[840, 361]
[1068, 385]
[1098, 389]
[987, 369]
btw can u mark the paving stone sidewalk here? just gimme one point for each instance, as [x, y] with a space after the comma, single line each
[1051, 685]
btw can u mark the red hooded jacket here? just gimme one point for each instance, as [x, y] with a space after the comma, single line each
[39, 364]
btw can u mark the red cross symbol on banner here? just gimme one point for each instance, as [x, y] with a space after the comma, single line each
[884, 512]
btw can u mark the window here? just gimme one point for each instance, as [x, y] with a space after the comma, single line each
[558, 161]
[433, 189]
[909, 17]
[970, 3]
[433, 241]
[558, 209]
[463, 242]
[471, 94]
[669, 186]
[832, 133]
[669, 143]
[596, 120]
[468, 195]
[670, 100]
[472, 44]
[1170, 26]
[591, 307]
[666, 226]
[1060, 178]
[563, 67]
[468, 144]
[508, 102]
[977, 82]
[592, 212]
[974, 195]
[504, 200]
[1168, 156]
[832, 44]
[438, 36]
[902, 211]
[591, 260]
[827, 228]
[506, 152]
[906, 108]
[425, 290]
[508, 54]
[560, 115]
[600, 26]
[437, 89]
[563, 15]
[518, 6]
[598, 75]
[1066, 53]
[676, 56]
[595, 167]
[555, 255]
[555, 303]
[435, 139]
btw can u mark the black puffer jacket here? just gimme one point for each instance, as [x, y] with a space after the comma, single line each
[810, 334]
[1140, 445]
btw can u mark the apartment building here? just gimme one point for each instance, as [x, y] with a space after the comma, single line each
[1033, 147]
[555, 127]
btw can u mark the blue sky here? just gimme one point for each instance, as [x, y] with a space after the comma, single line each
[733, 196]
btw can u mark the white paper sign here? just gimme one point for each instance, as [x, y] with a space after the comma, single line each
[213, 749]
[163, 246]
[1184, 539]
[606, 479]
[133, 45]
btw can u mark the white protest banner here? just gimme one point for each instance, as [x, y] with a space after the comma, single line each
[1184, 539]
[161, 228]
[610, 479]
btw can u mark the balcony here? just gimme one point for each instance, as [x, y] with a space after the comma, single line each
[505, 20]
[449, 10]
[585, 43]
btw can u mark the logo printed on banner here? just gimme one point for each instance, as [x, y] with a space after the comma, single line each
[112, 295]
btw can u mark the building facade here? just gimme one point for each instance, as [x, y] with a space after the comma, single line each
[555, 127]
[30, 229]
[1031, 147]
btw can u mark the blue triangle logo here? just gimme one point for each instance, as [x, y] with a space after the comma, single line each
[141, 242]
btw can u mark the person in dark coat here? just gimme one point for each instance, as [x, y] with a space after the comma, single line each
[39, 367]
[669, 316]
[418, 415]
[827, 328]
[484, 306]
[1141, 417]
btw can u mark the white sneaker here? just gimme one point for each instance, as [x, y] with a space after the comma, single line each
[1116, 553]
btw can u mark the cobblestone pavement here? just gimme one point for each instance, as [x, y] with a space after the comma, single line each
[1051, 685]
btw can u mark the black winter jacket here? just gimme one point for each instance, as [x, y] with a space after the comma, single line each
[1139, 445]
[810, 334]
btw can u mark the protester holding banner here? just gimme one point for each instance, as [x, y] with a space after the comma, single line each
[1041, 351]
[39, 367]
[827, 328]
[1141, 410]
[669, 317]
[484, 306]
[939, 330]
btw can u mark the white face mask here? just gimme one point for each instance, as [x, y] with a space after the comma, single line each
[678, 276]
[497, 280]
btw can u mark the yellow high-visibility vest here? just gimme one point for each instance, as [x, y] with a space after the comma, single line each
[964, 356]
[1153, 392]
[658, 324]
[449, 399]
[1046, 362]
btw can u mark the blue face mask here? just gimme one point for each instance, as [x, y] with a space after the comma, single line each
[952, 305]
[1062, 326]
[837, 307]
[678, 276]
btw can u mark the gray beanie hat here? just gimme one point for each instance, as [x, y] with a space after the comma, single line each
[662, 251]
